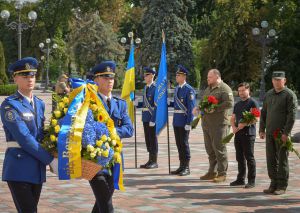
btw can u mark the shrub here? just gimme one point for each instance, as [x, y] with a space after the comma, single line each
[8, 89]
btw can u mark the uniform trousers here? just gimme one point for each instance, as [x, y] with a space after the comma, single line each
[182, 143]
[244, 151]
[216, 151]
[25, 195]
[103, 188]
[150, 138]
[277, 163]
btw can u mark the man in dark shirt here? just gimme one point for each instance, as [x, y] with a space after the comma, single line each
[244, 137]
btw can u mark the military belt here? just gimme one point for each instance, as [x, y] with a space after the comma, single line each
[179, 111]
[13, 144]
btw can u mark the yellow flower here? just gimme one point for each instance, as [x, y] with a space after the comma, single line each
[114, 142]
[117, 157]
[107, 145]
[105, 153]
[52, 138]
[92, 155]
[104, 138]
[93, 107]
[66, 100]
[53, 122]
[90, 148]
[61, 105]
[100, 117]
[57, 113]
[56, 128]
[65, 110]
[99, 143]
[118, 149]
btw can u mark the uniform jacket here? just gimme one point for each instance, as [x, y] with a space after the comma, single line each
[118, 112]
[279, 111]
[24, 125]
[149, 109]
[222, 113]
[185, 101]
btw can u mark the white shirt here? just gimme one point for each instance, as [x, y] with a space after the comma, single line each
[182, 84]
[104, 97]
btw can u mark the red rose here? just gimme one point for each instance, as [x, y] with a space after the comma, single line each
[212, 99]
[255, 112]
[276, 133]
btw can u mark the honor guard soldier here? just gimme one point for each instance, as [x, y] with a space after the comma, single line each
[278, 113]
[148, 118]
[184, 102]
[103, 183]
[22, 115]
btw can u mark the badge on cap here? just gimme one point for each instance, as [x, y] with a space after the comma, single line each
[27, 66]
[108, 69]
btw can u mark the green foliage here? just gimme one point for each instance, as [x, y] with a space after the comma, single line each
[8, 89]
[169, 16]
[3, 76]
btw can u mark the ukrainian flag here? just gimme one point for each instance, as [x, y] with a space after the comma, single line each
[129, 84]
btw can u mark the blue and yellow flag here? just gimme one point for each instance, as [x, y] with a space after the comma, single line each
[129, 84]
[161, 92]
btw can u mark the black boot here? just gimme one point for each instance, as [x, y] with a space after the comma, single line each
[177, 171]
[186, 169]
[153, 162]
[146, 164]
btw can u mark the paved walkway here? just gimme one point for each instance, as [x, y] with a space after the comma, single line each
[157, 191]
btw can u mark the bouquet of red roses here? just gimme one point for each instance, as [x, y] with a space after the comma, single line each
[288, 144]
[249, 118]
[208, 104]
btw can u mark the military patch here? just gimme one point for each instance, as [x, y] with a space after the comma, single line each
[10, 116]
[192, 97]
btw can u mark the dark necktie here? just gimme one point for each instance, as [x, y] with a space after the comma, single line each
[108, 102]
[31, 103]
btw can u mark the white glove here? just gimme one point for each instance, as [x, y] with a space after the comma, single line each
[136, 102]
[54, 166]
[187, 127]
[151, 124]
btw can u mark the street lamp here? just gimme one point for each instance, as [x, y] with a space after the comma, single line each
[137, 41]
[18, 25]
[264, 37]
[47, 50]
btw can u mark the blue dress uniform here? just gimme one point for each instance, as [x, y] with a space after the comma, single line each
[184, 102]
[102, 184]
[148, 118]
[24, 166]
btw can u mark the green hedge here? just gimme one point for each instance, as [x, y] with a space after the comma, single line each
[8, 89]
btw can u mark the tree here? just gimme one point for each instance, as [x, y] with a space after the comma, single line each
[3, 76]
[93, 41]
[170, 16]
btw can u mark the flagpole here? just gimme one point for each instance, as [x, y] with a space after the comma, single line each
[135, 142]
[168, 138]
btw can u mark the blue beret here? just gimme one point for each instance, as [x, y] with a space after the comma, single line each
[105, 69]
[278, 74]
[149, 70]
[25, 66]
[181, 70]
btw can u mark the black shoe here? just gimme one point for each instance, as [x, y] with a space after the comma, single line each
[144, 166]
[250, 185]
[177, 171]
[270, 190]
[184, 172]
[152, 165]
[237, 183]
